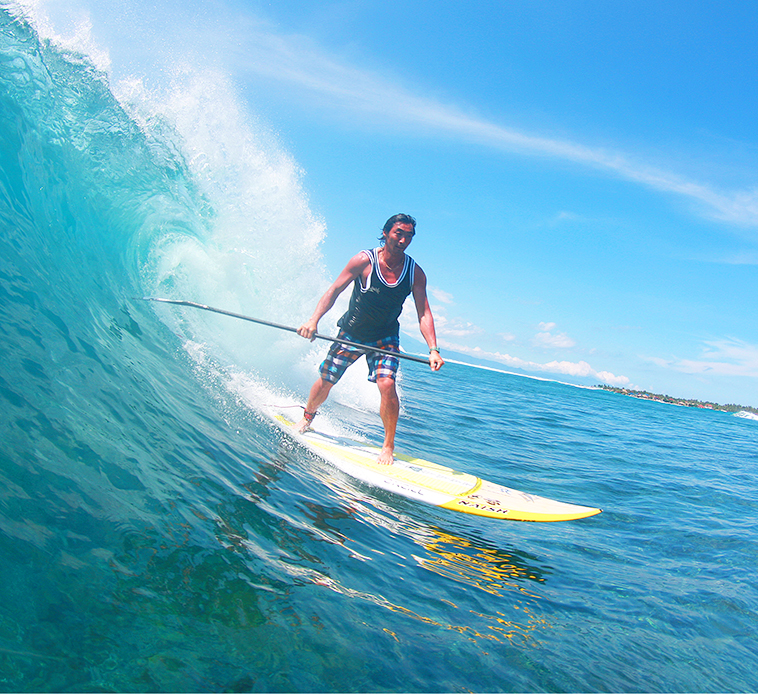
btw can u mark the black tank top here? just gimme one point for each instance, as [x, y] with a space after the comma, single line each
[374, 309]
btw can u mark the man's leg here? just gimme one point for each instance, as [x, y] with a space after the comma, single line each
[318, 395]
[337, 360]
[389, 409]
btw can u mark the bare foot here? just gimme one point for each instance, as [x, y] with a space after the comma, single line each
[305, 423]
[386, 457]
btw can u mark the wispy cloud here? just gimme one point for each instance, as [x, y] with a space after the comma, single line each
[296, 60]
[728, 357]
[440, 295]
[454, 327]
[548, 339]
[742, 258]
[303, 68]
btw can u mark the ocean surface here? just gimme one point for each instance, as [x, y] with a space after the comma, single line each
[158, 533]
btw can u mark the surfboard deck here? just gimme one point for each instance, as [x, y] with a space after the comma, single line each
[431, 483]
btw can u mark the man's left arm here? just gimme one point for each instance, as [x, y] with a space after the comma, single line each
[425, 319]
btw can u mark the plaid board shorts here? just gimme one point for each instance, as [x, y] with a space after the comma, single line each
[379, 365]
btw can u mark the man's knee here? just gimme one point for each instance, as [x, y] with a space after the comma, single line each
[386, 386]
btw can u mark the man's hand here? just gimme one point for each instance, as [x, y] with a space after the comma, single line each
[435, 360]
[308, 330]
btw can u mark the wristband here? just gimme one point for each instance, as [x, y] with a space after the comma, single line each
[433, 349]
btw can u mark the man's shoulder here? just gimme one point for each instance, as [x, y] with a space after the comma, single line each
[359, 262]
[419, 276]
[363, 256]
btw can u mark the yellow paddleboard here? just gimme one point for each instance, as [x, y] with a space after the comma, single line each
[434, 484]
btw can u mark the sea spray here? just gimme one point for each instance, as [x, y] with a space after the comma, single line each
[260, 252]
[206, 206]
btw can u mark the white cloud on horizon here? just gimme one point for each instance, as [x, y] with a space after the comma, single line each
[565, 368]
[443, 324]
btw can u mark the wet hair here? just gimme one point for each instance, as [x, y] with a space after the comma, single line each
[397, 219]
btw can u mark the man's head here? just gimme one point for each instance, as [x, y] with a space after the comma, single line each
[404, 219]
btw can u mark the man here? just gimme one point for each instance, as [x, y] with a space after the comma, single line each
[382, 279]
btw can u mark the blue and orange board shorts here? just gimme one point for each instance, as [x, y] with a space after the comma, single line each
[380, 365]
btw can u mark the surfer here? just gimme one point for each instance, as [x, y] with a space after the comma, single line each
[382, 279]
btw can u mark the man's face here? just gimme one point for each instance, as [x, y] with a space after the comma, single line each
[400, 236]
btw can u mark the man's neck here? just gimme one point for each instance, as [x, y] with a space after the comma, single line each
[392, 258]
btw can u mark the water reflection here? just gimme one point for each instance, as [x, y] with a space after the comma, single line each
[490, 569]
[509, 577]
[375, 526]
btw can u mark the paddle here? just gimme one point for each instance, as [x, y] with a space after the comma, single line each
[400, 355]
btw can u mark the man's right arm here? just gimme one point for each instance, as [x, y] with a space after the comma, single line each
[353, 269]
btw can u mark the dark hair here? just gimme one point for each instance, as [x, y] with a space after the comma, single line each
[397, 219]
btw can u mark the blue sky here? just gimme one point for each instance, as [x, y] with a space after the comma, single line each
[584, 174]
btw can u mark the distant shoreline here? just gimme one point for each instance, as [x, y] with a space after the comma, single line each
[644, 395]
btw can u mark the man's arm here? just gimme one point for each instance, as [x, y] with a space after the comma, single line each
[425, 318]
[353, 269]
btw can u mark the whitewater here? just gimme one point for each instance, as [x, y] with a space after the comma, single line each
[158, 533]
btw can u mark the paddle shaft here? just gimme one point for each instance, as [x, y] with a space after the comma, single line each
[358, 345]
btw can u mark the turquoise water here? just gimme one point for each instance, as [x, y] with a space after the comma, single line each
[158, 534]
